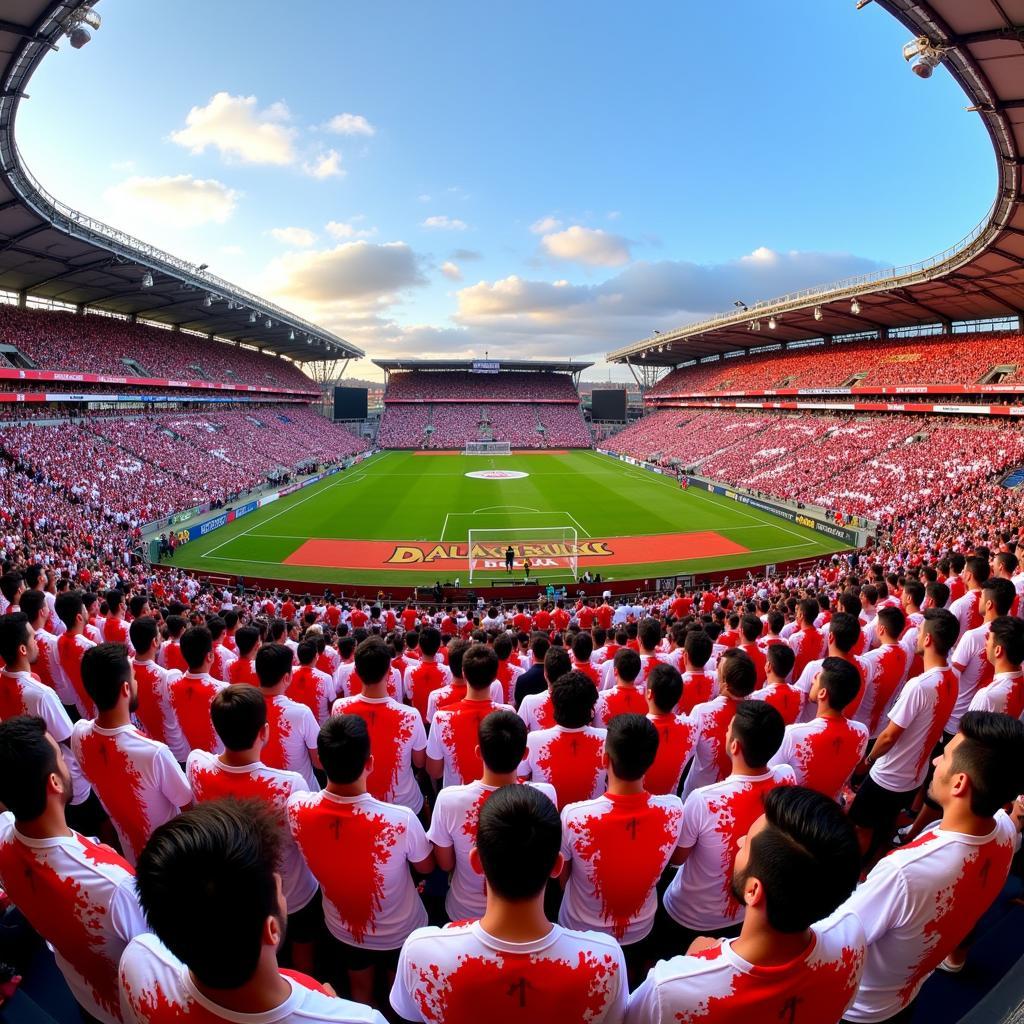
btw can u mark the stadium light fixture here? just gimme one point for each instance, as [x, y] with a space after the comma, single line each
[147, 280]
[268, 322]
[78, 28]
[739, 304]
[202, 267]
[291, 335]
[923, 56]
[772, 323]
[855, 307]
[252, 317]
[208, 301]
[818, 315]
[755, 325]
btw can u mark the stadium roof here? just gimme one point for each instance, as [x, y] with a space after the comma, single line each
[981, 43]
[548, 365]
[49, 250]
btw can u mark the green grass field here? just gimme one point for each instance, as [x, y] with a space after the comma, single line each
[408, 499]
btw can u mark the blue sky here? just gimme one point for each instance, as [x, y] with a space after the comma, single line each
[543, 179]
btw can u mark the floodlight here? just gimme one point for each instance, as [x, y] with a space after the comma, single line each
[208, 301]
[147, 280]
[252, 317]
[291, 335]
[755, 325]
[923, 56]
[203, 266]
[855, 307]
[79, 36]
[268, 322]
[772, 323]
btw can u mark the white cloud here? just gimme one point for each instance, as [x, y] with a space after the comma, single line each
[326, 165]
[354, 271]
[423, 197]
[451, 271]
[545, 225]
[444, 223]
[350, 124]
[348, 229]
[589, 246]
[235, 127]
[180, 201]
[300, 238]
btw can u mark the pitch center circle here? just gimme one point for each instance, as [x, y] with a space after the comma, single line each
[497, 474]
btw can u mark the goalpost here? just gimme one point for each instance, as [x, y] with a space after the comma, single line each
[552, 551]
[488, 448]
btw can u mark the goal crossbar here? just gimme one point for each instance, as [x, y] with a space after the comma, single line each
[551, 551]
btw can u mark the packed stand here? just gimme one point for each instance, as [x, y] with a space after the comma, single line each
[464, 386]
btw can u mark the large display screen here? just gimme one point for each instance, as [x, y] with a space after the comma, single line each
[609, 404]
[350, 403]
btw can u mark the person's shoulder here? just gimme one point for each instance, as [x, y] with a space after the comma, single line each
[594, 943]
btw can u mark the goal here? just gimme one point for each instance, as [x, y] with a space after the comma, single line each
[488, 448]
[552, 551]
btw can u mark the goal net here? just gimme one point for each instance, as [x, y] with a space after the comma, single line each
[488, 448]
[552, 551]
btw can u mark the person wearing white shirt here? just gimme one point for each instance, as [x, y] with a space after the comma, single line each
[1004, 649]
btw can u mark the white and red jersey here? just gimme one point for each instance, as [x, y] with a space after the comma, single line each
[293, 734]
[823, 752]
[71, 648]
[359, 850]
[115, 631]
[617, 847]
[976, 671]
[22, 694]
[80, 897]
[1004, 695]
[921, 710]
[315, 689]
[170, 657]
[191, 698]
[808, 645]
[453, 739]
[223, 659]
[422, 677]
[918, 904]
[537, 711]
[348, 684]
[760, 660]
[785, 698]
[967, 610]
[568, 759]
[805, 683]
[211, 779]
[715, 819]
[137, 780]
[888, 668]
[47, 667]
[157, 988]
[454, 692]
[711, 761]
[717, 986]
[154, 710]
[453, 825]
[699, 687]
[508, 673]
[619, 700]
[676, 735]
[459, 974]
[396, 732]
[243, 670]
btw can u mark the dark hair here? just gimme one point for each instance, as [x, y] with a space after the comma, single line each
[556, 663]
[206, 883]
[1001, 593]
[15, 631]
[503, 646]
[344, 747]
[502, 737]
[306, 652]
[804, 830]
[942, 626]
[751, 627]
[583, 647]
[196, 644]
[479, 666]
[649, 633]
[10, 584]
[992, 756]
[665, 685]
[69, 606]
[573, 697]
[246, 638]
[893, 619]
[518, 838]
[631, 745]
[373, 660]
[1008, 632]
[105, 668]
[844, 629]
[143, 632]
[979, 568]
[739, 672]
[758, 728]
[808, 607]
[238, 713]
[27, 760]
[781, 659]
[539, 646]
[175, 625]
[841, 681]
[913, 590]
[939, 593]
[32, 603]
[699, 647]
[627, 664]
[273, 662]
[430, 641]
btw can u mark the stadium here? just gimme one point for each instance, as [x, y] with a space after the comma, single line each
[188, 477]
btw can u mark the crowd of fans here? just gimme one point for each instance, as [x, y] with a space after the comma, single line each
[99, 344]
[791, 792]
[465, 386]
[956, 359]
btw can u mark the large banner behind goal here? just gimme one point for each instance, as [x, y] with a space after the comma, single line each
[488, 448]
[552, 551]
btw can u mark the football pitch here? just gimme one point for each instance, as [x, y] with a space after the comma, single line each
[402, 518]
